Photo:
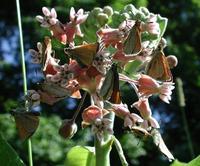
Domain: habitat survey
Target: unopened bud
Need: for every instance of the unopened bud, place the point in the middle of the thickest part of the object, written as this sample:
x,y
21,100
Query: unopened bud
x,y
172,61
108,10
68,129
102,18
144,10
163,43
97,10
130,8
125,16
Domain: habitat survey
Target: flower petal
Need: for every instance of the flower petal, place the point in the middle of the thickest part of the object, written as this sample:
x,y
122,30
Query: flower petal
x,y
46,11
39,18
53,13
72,14
153,122
80,12
81,18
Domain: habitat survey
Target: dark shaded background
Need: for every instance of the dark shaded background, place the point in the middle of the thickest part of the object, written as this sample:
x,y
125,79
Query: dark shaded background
x,y
183,36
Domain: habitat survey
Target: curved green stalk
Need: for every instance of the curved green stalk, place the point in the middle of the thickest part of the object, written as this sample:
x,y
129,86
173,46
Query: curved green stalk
x,y
23,72
181,102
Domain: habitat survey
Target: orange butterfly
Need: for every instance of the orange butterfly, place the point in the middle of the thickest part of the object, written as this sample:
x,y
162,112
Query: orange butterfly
x,y
133,44
84,54
26,122
158,68
110,88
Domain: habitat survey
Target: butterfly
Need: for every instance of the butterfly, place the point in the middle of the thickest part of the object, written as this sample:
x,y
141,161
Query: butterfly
x,y
27,122
133,44
158,68
110,88
84,54
51,93
53,89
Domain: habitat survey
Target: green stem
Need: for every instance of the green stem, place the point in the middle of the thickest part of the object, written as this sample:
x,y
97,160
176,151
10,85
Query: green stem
x,y
102,153
181,101
120,152
79,106
23,72
103,148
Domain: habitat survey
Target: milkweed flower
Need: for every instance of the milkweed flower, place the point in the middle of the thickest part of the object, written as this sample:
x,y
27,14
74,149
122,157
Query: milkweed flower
x,y
151,25
50,21
101,126
110,36
143,107
122,111
147,86
73,27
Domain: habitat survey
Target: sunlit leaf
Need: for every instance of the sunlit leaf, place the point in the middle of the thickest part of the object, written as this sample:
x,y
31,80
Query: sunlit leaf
x,y
194,162
80,156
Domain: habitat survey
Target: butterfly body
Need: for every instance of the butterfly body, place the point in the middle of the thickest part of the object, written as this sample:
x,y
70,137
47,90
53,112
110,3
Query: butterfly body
x,y
26,122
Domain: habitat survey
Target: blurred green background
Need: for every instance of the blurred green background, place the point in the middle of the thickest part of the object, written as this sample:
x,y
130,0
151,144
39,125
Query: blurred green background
x,y
49,149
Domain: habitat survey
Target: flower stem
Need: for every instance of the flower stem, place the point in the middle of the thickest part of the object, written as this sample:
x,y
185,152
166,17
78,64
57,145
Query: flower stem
x,y
79,106
103,148
102,154
120,152
23,72
181,101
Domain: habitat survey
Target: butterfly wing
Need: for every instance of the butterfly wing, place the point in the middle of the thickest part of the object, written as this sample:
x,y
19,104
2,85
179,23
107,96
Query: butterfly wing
x,y
115,96
108,84
27,123
54,90
132,44
84,54
158,67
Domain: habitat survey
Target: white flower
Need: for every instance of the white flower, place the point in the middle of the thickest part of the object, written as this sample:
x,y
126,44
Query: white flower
x,y
49,19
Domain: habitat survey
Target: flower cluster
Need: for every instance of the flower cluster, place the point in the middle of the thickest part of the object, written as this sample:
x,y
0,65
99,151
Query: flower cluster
x,y
97,67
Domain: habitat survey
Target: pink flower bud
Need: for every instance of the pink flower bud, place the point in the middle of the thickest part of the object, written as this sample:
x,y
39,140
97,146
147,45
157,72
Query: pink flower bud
x,y
68,129
172,61
147,85
92,113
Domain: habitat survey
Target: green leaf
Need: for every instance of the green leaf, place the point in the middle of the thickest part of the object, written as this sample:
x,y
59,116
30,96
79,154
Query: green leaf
x,y
194,162
131,68
162,21
81,156
178,163
8,156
